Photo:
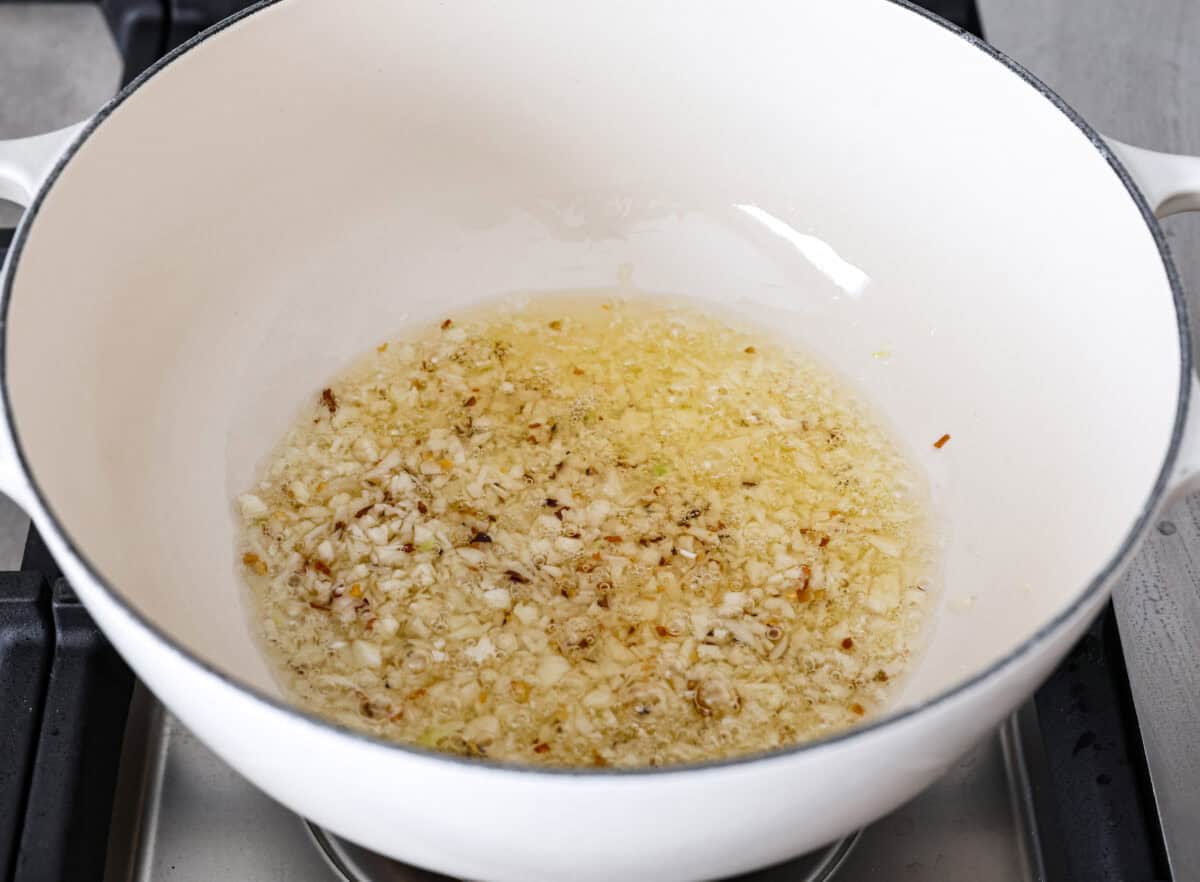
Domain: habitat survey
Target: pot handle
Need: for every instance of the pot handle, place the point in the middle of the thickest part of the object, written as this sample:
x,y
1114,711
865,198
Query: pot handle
x,y
1171,184
26,162
1169,181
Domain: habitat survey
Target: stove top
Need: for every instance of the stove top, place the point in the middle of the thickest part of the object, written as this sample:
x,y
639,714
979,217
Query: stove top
x,y
189,816
99,782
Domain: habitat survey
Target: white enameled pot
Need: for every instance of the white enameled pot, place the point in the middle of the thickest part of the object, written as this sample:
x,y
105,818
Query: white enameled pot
x,y
311,177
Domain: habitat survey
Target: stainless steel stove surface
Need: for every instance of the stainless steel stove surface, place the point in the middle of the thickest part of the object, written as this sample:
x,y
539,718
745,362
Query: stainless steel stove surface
x,y
184,815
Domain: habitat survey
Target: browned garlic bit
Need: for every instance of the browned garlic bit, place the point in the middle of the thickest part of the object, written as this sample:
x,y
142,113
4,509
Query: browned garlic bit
x,y
588,532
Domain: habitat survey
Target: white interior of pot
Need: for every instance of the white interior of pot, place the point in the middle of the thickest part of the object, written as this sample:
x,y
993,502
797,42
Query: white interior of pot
x,y
237,230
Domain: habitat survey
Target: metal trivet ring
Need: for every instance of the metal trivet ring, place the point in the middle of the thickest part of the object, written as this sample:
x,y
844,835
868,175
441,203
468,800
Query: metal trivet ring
x,y
357,864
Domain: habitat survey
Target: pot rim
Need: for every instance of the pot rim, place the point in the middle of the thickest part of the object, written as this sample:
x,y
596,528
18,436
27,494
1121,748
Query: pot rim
x,y
1094,588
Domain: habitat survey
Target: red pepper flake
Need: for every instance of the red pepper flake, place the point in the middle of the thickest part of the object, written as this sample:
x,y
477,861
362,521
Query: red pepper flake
x,y
446,325
408,548
470,402
858,709
848,643
660,630
329,401
612,539
321,567
941,442
422,507
541,747
362,511
598,760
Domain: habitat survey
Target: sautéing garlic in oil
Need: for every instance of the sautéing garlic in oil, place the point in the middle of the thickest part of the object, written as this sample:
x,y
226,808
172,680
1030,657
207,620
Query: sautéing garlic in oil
x,y
588,531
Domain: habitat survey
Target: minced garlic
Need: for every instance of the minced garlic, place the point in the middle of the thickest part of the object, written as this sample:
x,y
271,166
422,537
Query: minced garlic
x,y
587,532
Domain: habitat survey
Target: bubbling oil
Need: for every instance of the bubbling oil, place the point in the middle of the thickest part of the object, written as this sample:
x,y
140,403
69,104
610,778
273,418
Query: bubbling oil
x,y
589,531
